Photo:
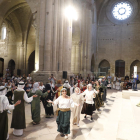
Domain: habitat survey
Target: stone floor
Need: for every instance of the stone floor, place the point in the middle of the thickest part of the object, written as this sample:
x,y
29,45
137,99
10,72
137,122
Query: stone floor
x,y
119,119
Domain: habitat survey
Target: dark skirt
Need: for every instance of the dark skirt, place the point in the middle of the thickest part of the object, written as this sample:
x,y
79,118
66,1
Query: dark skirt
x,y
88,109
49,110
3,125
63,122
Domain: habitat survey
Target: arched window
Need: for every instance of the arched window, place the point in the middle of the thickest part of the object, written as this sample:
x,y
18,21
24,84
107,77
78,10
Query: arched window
x,y
3,32
120,68
104,67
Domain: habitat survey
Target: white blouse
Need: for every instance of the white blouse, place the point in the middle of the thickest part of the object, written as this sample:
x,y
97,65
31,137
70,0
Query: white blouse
x,y
64,103
89,96
25,97
41,87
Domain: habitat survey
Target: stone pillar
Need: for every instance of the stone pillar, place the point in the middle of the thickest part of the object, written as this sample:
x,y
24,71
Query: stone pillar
x,y
42,34
48,36
54,47
61,27
73,61
82,37
67,41
77,58
89,31
21,59
85,43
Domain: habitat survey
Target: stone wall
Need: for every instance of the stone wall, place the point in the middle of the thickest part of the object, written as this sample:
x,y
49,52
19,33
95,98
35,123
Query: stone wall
x,y
118,41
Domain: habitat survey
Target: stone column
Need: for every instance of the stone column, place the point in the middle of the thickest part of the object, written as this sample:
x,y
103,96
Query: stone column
x,y
73,61
42,34
85,43
82,37
67,42
21,58
54,47
61,32
48,36
89,31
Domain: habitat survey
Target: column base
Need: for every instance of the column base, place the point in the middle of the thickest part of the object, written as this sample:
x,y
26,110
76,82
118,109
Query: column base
x,y
42,76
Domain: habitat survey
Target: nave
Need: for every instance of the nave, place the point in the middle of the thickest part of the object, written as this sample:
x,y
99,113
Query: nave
x,y
118,118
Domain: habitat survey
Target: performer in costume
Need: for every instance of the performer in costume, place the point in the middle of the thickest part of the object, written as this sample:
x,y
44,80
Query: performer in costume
x,y
18,118
35,104
63,112
98,99
4,106
88,107
58,87
48,94
104,86
67,86
77,98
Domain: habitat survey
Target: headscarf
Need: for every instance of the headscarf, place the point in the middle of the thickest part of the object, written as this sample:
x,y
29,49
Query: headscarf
x,y
66,84
78,89
88,86
62,90
3,92
20,86
35,87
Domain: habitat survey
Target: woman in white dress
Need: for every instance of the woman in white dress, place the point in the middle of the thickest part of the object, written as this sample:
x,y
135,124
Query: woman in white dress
x,y
77,98
63,112
89,106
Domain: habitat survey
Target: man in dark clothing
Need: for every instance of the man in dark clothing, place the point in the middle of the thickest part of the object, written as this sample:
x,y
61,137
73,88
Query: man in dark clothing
x,y
104,86
27,88
126,77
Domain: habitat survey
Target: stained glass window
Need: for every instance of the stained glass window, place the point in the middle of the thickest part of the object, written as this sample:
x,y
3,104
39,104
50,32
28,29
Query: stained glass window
x,y
122,10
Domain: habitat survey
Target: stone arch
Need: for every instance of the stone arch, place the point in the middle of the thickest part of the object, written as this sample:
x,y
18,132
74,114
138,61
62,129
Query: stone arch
x,y
135,63
120,68
104,68
11,66
1,66
31,62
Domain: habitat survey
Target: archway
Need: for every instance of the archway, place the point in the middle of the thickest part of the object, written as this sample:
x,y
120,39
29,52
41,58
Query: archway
x,y
135,63
11,66
31,62
120,68
104,68
1,66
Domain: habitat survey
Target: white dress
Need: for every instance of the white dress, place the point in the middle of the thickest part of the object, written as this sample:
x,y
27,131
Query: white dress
x,y
19,132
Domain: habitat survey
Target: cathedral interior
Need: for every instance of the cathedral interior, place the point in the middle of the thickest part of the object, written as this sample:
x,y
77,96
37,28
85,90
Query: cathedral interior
x,y
77,36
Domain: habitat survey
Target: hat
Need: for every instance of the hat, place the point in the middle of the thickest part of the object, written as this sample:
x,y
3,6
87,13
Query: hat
x,y
21,83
